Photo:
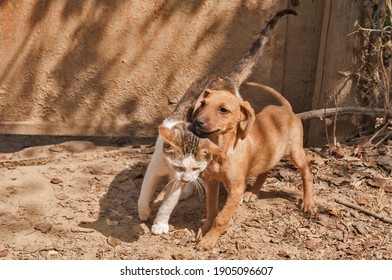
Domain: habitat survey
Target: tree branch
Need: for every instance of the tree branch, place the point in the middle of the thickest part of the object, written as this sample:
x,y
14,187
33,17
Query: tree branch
x,y
363,210
322,113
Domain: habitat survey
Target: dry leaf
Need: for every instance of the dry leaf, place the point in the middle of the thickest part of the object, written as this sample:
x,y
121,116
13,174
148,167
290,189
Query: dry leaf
x,y
361,201
56,181
112,241
284,254
350,252
318,160
369,244
337,181
4,253
355,249
312,244
360,229
370,164
342,246
178,257
111,223
378,182
334,211
179,234
184,241
43,227
325,221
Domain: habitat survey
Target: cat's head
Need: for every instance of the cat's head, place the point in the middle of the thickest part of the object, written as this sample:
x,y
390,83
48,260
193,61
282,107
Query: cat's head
x,y
187,154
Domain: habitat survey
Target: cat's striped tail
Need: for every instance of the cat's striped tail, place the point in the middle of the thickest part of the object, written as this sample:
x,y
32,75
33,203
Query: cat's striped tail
x,y
244,68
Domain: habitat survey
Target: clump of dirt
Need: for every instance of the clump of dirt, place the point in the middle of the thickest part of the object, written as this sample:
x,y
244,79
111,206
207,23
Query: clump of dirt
x,y
64,203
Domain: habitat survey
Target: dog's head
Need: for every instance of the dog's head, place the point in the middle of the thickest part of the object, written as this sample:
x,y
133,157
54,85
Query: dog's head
x,y
219,112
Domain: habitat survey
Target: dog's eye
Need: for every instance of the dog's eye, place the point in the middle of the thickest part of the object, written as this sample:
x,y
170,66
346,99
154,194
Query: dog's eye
x,y
223,110
202,103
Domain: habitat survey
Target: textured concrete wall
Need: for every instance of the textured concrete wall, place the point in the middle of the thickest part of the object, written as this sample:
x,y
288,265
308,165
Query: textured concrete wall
x,y
114,67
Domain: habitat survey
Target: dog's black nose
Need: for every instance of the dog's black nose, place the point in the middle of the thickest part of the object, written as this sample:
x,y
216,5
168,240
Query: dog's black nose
x,y
200,122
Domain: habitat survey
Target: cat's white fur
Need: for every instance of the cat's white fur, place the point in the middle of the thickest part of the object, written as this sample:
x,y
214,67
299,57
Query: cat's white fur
x,y
160,167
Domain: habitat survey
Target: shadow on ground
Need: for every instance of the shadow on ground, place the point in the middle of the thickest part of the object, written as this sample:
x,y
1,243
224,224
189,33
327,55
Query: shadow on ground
x,y
118,207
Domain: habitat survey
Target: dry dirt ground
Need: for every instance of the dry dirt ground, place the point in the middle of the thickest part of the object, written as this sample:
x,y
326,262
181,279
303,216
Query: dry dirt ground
x,y
64,199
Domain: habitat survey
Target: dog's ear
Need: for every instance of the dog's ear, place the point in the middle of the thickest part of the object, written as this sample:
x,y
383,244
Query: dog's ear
x,y
169,135
199,102
247,120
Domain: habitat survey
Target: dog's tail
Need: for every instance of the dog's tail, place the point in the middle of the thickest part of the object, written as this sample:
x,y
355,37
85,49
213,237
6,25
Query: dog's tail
x,y
244,68
283,101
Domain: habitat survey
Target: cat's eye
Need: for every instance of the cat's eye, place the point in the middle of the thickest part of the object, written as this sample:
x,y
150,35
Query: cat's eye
x,y
223,110
196,169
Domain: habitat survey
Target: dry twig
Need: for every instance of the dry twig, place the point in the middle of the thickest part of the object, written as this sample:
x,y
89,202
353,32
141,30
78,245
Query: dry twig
x,y
323,113
363,210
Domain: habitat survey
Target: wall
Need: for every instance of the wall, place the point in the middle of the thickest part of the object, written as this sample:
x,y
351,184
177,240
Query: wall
x,y
115,67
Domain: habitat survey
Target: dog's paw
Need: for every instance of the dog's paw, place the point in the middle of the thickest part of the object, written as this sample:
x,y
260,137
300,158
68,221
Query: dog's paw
x,y
160,228
308,206
249,197
207,242
144,213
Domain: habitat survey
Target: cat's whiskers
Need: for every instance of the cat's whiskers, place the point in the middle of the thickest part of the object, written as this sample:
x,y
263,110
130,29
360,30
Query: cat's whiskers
x,y
177,185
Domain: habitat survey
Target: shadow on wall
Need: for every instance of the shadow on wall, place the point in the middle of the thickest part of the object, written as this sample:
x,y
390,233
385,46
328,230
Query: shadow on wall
x,y
96,65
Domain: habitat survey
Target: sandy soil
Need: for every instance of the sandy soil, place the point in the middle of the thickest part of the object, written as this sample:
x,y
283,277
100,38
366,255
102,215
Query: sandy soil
x,y
77,199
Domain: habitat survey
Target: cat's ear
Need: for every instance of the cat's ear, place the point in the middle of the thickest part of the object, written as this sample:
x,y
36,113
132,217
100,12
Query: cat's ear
x,y
209,146
169,135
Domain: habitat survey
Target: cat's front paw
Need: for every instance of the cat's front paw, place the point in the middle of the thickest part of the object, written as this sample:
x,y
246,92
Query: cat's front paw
x,y
160,228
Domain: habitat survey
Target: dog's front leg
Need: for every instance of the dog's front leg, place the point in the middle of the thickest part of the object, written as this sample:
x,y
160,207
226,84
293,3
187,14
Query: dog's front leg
x,y
234,197
211,205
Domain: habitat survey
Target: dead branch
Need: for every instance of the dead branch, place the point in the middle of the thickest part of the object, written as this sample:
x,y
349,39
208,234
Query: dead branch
x,y
363,210
382,140
379,131
323,113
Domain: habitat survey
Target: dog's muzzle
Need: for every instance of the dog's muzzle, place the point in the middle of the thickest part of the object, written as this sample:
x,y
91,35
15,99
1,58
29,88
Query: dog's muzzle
x,y
198,127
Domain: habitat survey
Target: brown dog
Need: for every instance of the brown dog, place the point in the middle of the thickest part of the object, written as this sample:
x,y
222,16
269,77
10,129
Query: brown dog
x,y
251,145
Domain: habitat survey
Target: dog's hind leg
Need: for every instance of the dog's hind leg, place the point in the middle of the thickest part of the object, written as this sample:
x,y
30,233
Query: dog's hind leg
x,y
298,157
252,194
